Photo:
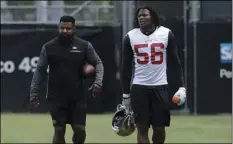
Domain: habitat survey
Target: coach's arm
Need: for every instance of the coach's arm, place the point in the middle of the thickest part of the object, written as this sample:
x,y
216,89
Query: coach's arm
x,y
94,59
39,76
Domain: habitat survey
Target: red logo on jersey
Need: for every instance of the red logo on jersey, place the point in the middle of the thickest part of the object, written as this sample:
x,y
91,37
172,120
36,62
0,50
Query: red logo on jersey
x,y
146,55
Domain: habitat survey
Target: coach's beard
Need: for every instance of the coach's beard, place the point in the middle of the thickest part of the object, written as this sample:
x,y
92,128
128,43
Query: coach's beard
x,y
65,39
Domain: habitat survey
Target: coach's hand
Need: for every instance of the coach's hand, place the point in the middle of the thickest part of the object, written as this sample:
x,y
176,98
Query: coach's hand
x,y
181,94
126,102
34,99
95,89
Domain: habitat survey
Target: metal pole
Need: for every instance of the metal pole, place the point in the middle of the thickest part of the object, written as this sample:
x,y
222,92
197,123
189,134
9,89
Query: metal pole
x,y
127,16
130,9
194,18
56,13
42,15
124,18
38,11
195,66
186,7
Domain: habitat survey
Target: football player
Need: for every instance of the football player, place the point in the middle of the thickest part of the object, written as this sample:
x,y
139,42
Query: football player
x,y
148,45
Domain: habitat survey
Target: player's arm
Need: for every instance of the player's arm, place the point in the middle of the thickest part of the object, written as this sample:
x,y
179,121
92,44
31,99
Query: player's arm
x,y
39,74
173,55
127,59
126,71
94,59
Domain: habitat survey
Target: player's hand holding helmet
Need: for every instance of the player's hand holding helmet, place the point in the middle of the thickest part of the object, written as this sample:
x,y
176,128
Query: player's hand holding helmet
x,y
180,96
122,123
126,102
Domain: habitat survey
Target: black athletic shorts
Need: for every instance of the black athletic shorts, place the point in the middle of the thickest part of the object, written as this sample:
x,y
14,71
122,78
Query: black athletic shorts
x,y
150,105
67,112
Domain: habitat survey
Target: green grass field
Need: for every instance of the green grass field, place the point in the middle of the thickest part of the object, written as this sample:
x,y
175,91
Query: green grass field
x,y
28,128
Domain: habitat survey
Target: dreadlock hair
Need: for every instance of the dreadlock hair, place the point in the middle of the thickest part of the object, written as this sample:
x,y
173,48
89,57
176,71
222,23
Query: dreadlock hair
x,y
154,15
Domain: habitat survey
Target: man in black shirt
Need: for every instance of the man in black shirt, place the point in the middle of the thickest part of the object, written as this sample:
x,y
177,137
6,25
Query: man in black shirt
x,y
66,55
148,45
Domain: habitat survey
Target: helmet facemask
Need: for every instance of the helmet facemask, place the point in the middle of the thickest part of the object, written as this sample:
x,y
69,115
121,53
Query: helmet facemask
x,y
123,124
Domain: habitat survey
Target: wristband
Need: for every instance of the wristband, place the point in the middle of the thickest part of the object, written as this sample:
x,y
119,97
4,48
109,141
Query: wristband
x,y
126,96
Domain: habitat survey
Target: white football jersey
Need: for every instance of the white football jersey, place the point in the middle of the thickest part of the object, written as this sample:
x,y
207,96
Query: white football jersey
x,y
150,54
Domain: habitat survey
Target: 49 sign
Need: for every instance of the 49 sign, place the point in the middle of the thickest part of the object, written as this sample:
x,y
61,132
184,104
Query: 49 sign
x,y
26,65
